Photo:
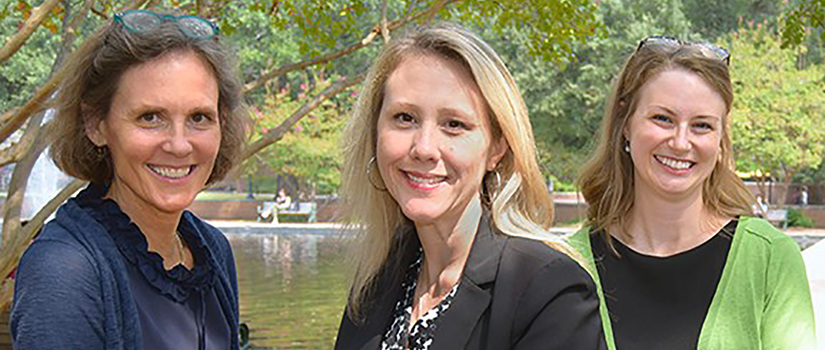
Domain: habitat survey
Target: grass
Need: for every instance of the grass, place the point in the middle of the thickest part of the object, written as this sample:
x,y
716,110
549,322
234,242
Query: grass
x,y
223,195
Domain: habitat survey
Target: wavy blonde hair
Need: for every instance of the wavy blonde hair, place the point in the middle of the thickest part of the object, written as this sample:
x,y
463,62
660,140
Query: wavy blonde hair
x,y
606,180
521,207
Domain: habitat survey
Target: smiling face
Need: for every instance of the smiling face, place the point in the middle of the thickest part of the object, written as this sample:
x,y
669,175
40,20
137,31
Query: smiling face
x,y
675,135
434,140
163,134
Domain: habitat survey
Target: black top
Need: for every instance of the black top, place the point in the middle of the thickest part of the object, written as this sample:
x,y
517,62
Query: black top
x,y
177,308
660,302
514,293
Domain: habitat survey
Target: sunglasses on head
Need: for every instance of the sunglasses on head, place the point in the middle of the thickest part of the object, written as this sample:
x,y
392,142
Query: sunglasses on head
x,y
140,22
708,50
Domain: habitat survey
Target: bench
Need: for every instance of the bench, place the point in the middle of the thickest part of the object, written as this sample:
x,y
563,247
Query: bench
x,y
297,212
778,217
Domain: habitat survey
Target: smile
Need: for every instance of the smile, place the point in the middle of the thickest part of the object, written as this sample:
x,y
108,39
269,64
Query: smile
x,y
673,163
426,181
172,173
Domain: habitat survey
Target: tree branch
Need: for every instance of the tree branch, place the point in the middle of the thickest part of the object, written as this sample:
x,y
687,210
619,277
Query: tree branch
x,y
137,4
385,33
376,30
12,120
432,11
17,40
20,177
10,253
274,8
278,132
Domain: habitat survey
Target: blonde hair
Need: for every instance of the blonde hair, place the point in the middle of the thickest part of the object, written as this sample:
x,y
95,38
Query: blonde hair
x,y
606,180
522,207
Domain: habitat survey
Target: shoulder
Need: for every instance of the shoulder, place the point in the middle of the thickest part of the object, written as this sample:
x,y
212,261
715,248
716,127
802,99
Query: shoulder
x,y
56,252
545,265
58,242
760,234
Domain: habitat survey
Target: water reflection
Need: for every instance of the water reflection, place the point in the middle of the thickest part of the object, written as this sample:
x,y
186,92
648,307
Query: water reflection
x,y
293,288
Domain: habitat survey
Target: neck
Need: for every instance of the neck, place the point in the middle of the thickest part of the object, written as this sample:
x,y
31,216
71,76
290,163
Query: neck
x,y
662,226
447,247
159,227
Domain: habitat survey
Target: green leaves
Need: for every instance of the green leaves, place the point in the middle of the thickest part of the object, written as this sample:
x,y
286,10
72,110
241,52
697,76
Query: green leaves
x,y
778,117
551,27
801,19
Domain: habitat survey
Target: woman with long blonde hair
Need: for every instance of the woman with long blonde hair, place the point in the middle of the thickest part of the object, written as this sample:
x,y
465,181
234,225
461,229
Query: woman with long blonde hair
x,y
678,261
441,180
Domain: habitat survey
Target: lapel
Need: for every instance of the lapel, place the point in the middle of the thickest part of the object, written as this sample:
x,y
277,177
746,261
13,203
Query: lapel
x,y
474,293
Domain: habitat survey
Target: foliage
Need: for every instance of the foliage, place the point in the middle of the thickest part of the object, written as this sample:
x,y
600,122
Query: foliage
x,y
566,98
797,219
311,150
778,112
801,19
554,26
30,67
712,19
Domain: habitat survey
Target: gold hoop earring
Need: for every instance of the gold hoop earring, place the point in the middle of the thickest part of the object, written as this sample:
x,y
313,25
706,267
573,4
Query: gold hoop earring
x,y
369,175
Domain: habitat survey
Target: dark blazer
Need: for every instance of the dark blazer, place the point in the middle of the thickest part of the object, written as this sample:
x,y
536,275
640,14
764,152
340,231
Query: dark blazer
x,y
515,293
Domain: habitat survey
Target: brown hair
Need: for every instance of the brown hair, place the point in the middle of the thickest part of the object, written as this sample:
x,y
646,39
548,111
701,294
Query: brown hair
x,y
93,74
519,202
606,180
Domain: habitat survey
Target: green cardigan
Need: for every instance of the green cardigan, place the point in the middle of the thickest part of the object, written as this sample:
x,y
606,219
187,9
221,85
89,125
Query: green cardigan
x,y
762,302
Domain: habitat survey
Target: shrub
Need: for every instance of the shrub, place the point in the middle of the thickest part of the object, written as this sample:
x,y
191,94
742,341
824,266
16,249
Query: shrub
x,y
797,219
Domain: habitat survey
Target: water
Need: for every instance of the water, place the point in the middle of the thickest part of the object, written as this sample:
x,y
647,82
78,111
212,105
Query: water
x,y
293,288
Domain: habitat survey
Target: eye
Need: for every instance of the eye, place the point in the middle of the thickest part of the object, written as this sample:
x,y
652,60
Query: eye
x,y
201,119
456,125
661,118
149,119
404,118
703,126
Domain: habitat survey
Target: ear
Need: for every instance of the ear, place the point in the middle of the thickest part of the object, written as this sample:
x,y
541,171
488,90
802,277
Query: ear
x,y
498,148
93,125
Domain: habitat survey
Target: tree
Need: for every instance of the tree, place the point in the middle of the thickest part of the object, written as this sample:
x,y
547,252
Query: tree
x,y
566,98
333,40
777,115
801,19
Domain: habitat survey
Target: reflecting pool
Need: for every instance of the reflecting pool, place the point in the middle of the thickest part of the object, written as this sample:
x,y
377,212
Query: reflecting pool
x,y
293,288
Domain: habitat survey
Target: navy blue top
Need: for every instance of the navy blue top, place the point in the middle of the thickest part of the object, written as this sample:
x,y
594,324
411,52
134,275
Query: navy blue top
x,y
89,282
177,308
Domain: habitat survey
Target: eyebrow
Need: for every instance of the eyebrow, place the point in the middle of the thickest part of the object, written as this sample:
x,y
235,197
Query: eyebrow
x,y
671,112
395,105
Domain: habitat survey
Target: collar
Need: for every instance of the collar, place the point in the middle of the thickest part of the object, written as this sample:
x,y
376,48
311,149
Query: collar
x,y
482,263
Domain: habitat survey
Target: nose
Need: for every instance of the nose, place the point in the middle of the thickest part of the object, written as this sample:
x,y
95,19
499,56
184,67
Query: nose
x,y
177,141
425,144
681,139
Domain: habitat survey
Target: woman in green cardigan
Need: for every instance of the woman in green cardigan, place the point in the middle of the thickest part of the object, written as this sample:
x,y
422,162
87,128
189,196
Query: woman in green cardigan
x,y
678,262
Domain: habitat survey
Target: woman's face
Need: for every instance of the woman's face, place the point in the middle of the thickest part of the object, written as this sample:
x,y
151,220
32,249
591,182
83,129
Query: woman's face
x,y
675,134
162,132
434,140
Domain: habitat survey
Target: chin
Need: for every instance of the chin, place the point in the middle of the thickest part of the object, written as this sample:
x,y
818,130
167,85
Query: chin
x,y
419,215
175,204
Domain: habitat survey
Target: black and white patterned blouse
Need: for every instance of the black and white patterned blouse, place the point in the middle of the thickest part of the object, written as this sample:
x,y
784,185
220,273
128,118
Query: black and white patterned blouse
x,y
423,331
